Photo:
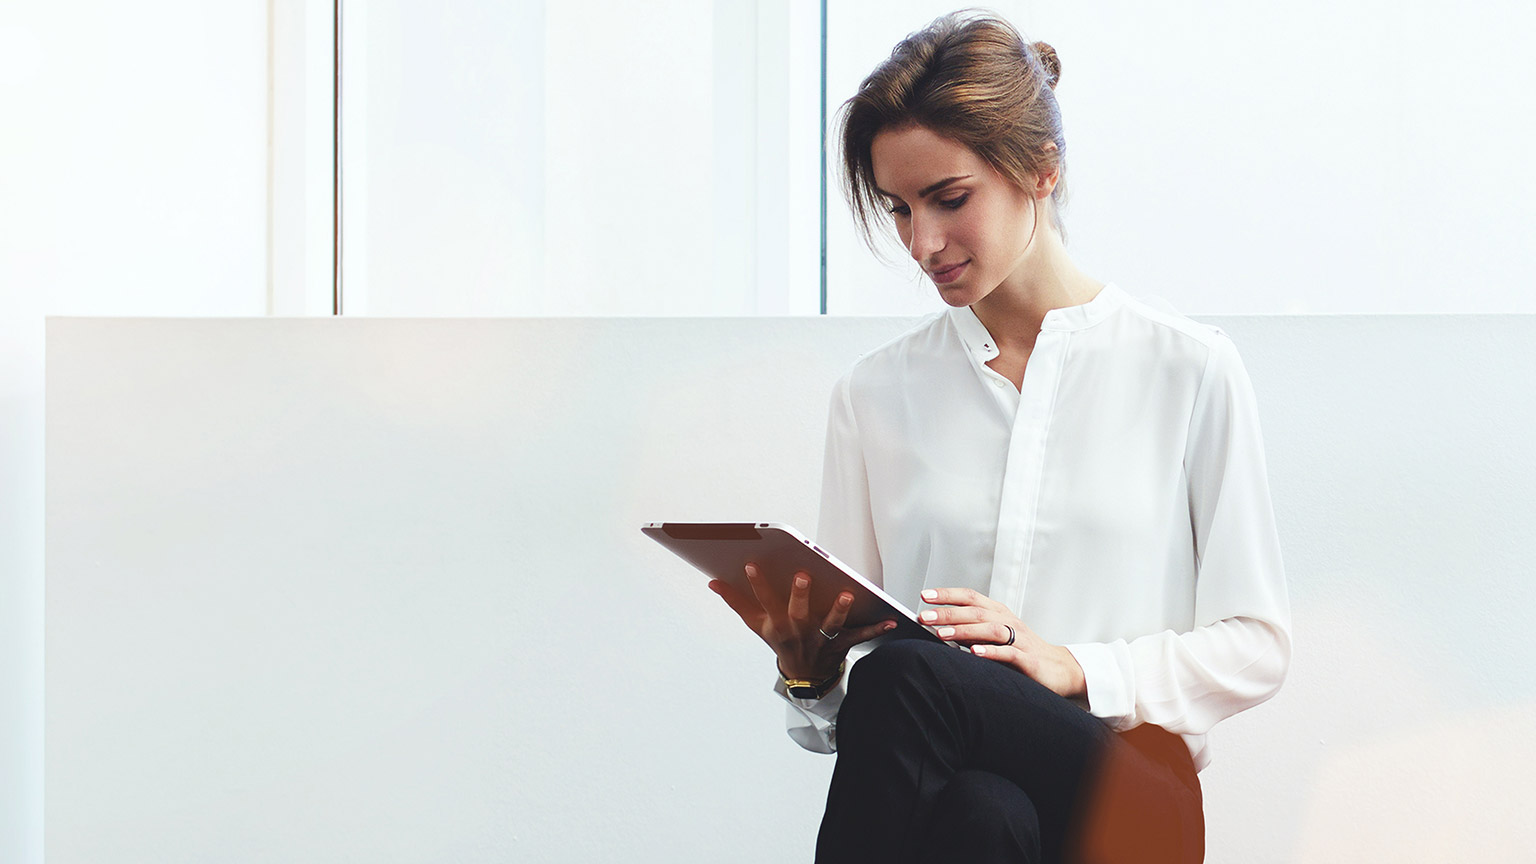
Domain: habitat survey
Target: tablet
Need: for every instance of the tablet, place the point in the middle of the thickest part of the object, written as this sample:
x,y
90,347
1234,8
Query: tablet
x,y
721,550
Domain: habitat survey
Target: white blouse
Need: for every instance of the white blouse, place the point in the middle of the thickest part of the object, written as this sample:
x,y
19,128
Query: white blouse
x,y
1117,503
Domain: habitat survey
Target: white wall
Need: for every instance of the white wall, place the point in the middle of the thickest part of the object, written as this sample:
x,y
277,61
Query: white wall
x,y
375,590
133,180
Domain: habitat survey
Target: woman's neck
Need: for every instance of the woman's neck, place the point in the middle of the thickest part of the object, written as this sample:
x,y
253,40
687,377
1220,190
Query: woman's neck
x,y
1047,279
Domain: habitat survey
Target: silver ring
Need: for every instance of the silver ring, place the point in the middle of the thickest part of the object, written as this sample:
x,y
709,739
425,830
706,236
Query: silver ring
x,y
825,635
1011,634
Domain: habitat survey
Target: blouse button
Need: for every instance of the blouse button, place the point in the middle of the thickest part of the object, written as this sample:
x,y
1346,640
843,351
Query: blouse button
x,y
998,383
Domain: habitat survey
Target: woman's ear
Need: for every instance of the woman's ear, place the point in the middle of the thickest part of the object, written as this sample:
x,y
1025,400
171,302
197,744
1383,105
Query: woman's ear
x,y
1045,183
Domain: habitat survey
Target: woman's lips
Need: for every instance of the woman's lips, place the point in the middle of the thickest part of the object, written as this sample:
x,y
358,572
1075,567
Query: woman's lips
x,y
950,274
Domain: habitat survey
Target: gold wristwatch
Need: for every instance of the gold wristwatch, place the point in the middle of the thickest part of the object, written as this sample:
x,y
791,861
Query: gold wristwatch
x,y
801,688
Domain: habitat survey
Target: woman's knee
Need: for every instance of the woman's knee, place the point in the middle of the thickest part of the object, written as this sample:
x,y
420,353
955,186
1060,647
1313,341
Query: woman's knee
x,y
899,685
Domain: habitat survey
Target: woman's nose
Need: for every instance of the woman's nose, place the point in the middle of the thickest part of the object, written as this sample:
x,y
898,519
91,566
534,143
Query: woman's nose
x,y
927,239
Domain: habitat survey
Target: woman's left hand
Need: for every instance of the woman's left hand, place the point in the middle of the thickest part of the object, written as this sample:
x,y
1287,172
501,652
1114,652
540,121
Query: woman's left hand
x,y
977,621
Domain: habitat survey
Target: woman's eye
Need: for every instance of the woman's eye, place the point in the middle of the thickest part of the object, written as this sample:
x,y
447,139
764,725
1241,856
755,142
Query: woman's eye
x,y
900,210
954,203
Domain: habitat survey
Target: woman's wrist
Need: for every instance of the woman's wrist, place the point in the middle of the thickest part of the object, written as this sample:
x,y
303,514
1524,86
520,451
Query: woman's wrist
x,y
810,671
1077,685
813,686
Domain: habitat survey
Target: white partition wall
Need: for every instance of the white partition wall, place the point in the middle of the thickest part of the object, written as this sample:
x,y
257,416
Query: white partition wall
x,y
335,590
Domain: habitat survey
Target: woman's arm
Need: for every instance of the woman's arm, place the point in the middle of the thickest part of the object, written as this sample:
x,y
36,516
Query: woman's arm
x,y
846,524
846,527
1237,654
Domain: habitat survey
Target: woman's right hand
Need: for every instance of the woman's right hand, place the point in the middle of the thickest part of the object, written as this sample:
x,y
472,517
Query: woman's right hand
x,y
801,644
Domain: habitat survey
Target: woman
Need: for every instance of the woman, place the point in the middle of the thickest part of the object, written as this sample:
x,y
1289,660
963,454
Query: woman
x,y
1071,481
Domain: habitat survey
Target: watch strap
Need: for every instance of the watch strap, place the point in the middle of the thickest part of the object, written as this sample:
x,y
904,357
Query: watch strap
x,y
802,688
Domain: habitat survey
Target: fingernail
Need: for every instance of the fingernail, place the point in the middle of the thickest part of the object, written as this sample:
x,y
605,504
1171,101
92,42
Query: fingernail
x,y
929,617
930,594
890,625
844,601
978,649
751,571
946,632
801,582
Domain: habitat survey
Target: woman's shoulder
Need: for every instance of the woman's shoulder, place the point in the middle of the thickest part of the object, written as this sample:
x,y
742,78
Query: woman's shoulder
x,y
1157,313
1198,353
890,359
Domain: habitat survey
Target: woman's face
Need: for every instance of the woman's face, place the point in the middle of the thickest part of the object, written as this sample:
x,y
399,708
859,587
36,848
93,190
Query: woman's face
x,y
967,226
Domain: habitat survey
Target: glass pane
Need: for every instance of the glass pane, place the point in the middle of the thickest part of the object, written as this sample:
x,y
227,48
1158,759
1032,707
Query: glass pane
x,y
599,158
1309,157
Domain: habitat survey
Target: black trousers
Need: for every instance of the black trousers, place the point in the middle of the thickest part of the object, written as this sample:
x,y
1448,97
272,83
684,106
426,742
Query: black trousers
x,y
944,756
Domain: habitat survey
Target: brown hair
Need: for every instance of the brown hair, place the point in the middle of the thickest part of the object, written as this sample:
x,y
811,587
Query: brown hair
x,y
970,77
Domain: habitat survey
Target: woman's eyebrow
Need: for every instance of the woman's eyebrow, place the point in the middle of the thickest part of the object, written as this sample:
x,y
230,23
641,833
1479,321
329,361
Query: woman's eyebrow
x,y
927,190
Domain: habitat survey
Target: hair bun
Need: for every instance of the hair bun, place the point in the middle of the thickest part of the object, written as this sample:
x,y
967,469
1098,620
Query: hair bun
x,y
1050,61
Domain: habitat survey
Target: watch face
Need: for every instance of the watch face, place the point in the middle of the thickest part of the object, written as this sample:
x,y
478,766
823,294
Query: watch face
x,y
804,692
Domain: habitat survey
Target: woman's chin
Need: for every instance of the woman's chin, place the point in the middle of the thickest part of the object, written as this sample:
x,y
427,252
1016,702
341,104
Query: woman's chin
x,y
955,295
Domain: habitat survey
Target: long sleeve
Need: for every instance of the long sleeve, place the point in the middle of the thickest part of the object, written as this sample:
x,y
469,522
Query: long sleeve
x,y
1237,653
846,528
846,523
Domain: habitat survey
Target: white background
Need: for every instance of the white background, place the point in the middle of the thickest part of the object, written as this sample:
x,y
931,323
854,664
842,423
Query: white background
x,y
1360,157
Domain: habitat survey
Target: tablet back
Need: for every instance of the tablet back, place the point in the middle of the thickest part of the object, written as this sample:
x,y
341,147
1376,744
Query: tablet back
x,y
721,550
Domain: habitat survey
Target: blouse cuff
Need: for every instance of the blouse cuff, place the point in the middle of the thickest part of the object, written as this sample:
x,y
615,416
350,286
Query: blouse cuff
x,y
1111,681
824,708
812,723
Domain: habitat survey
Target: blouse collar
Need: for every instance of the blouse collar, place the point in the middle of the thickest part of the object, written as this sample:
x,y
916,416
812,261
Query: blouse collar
x,y
979,340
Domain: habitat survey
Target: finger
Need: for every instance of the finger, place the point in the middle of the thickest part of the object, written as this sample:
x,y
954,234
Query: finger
x,y
962,597
988,633
1007,654
864,634
954,615
751,613
837,615
1011,655
800,598
766,596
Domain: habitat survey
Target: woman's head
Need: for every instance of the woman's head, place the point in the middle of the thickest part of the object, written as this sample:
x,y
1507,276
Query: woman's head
x,y
968,77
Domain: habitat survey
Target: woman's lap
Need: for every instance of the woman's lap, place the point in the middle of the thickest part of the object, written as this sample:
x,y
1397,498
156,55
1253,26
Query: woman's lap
x,y
918,714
